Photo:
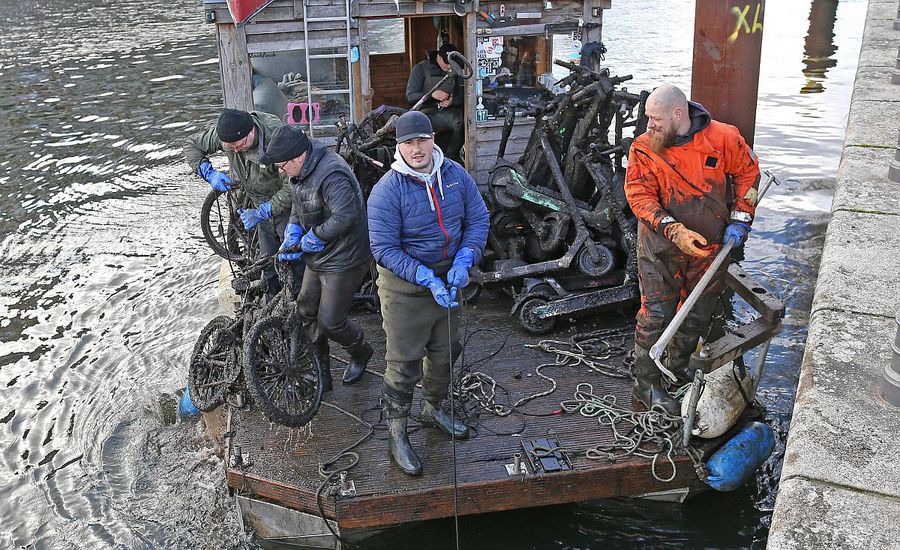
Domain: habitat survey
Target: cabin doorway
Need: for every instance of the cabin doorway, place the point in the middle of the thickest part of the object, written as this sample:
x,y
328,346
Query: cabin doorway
x,y
392,57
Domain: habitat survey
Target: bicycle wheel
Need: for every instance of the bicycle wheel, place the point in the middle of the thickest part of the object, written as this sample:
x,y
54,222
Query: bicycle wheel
x,y
212,364
285,384
220,230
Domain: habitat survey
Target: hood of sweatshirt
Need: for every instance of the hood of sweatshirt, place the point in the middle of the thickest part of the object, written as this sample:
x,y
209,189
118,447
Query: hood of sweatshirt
x,y
427,180
700,119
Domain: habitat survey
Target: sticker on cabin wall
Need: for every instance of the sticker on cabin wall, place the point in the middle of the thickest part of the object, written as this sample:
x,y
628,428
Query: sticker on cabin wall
x,y
488,53
481,114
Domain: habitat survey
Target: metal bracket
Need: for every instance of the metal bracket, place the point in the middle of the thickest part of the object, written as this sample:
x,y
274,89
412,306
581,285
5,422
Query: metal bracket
x,y
517,467
347,486
544,455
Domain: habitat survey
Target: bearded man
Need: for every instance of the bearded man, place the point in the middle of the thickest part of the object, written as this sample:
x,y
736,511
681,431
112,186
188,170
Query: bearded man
x,y
692,182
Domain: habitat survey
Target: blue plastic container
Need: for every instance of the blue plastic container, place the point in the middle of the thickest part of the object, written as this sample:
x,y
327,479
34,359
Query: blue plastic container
x,y
738,459
186,408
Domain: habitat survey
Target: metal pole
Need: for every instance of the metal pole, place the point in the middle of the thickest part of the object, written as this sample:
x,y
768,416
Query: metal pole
x,y
894,166
692,407
760,365
890,379
660,346
727,50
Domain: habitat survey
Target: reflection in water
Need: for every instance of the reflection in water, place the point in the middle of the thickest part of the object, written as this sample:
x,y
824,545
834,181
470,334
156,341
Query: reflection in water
x,y
819,46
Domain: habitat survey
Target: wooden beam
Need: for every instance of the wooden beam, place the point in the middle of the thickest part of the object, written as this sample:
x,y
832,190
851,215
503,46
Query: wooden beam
x,y
510,494
514,30
234,67
471,145
338,41
591,7
389,9
362,82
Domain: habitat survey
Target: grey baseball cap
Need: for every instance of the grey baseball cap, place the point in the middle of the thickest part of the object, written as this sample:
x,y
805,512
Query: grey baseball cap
x,y
412,125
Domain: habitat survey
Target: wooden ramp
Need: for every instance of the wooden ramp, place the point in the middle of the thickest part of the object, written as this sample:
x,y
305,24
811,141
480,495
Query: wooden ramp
x,y
282,465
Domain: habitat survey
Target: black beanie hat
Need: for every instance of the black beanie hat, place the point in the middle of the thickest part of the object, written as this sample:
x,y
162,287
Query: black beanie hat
x,y
234,125
444,51
287,142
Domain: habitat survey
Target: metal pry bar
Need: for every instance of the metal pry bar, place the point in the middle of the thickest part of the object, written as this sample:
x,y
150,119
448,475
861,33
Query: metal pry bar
x,y
660,346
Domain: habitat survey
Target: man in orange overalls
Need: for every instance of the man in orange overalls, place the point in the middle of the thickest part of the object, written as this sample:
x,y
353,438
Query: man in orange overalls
x,y
692,182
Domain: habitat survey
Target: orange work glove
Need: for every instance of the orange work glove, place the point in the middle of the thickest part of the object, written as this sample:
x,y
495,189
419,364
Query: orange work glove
x,y
687,240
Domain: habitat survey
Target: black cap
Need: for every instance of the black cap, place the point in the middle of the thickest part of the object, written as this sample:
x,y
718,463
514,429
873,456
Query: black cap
x,y
287,142
412,125
234,125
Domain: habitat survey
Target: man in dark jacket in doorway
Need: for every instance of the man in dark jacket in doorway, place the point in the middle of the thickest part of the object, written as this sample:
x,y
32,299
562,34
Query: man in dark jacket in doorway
x,y
243,137
444,106
328,220
692,182
428,226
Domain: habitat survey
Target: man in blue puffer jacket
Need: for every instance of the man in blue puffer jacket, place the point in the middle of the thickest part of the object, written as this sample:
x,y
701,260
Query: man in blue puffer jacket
x,y
427,226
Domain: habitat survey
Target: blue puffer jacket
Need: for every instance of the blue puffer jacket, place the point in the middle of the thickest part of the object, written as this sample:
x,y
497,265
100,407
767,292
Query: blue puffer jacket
x,y
417,219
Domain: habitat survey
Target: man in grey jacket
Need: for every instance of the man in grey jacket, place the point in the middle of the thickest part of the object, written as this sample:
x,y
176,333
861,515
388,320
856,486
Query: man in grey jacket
x,y
328,220
242,136
444,106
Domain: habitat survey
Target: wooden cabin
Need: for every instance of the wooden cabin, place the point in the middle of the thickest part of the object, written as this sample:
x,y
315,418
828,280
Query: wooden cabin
x,y
359,54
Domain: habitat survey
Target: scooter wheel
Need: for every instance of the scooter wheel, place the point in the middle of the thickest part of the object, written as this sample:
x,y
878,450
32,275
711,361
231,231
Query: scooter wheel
x,y
529,320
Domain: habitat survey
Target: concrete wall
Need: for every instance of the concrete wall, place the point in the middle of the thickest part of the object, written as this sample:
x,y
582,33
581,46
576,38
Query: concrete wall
x,y
840,484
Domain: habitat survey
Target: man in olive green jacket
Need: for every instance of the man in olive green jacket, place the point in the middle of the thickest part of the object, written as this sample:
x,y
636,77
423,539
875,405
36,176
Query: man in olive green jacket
x,y
243,137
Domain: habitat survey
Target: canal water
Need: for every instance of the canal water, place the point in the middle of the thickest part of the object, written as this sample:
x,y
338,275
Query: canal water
x,y
106,280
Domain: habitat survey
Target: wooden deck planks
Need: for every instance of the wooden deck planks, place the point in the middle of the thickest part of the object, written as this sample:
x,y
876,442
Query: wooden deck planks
x,y
284,463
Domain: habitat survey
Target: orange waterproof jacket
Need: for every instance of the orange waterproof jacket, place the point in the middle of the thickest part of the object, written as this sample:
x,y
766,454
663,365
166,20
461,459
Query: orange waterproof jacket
x,y
689,184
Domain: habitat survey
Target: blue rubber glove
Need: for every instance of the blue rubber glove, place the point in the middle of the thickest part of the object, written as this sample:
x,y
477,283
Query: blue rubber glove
x,y
217,180
252,216
426,278
737,232
458,276
292,235
311,243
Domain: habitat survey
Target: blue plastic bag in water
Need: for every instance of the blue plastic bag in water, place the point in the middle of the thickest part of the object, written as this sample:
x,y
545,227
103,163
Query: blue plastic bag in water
x,y
186,408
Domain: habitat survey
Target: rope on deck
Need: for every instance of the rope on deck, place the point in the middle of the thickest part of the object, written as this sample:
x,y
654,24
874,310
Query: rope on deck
x,y
591,349
647,434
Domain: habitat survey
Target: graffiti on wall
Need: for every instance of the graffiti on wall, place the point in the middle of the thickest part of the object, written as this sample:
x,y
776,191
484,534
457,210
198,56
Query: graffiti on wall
x,y
743,22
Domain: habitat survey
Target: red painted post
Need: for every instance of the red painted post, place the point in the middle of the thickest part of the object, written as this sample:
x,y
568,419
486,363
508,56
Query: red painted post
x,y
727,48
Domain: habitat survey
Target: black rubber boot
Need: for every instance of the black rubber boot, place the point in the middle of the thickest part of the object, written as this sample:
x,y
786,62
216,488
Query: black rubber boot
x,y
439,418
397,416
647,387
679,356
321,354
359,359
